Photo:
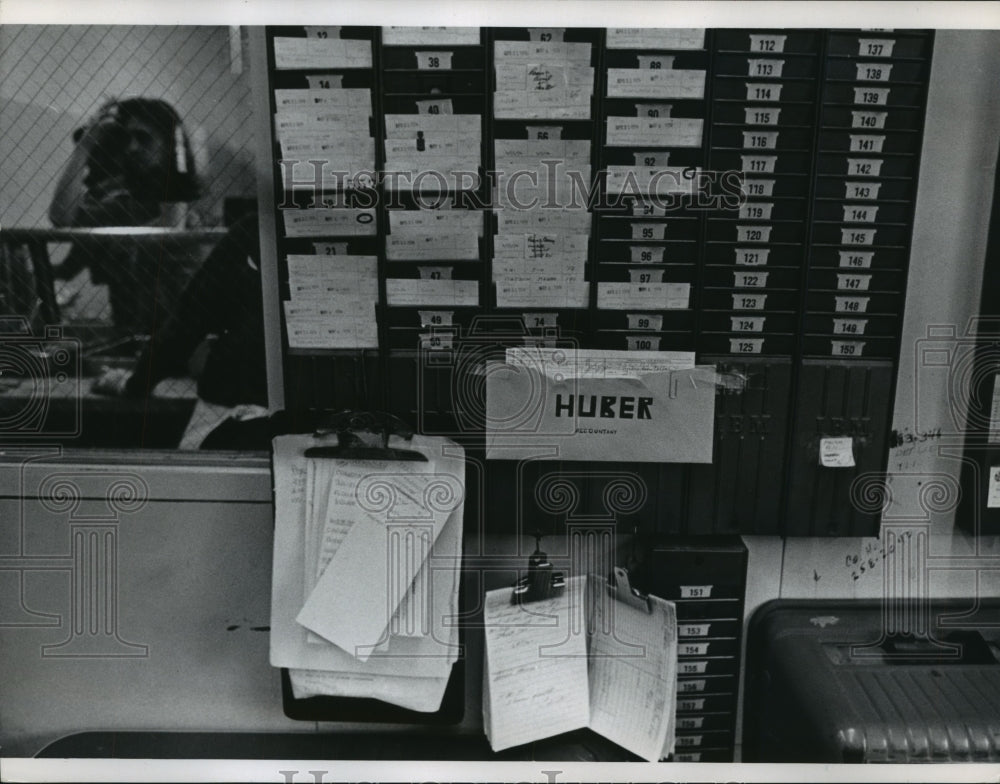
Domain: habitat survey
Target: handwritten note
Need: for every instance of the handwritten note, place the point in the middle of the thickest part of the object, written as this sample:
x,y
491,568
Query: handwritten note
x,y
536,667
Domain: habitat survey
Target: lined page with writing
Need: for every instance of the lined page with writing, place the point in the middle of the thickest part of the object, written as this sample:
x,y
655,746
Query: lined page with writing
x,y
536,666
633,669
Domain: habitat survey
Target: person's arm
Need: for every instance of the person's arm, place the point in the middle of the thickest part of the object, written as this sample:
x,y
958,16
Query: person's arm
x,y
71,189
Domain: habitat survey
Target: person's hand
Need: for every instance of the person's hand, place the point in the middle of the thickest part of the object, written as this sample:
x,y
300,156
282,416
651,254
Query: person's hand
x,y
112,381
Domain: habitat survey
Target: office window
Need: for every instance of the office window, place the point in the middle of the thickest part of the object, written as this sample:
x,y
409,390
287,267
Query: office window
x,y
127,201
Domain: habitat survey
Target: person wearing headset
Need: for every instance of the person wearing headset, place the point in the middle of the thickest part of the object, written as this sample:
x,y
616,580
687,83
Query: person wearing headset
x,y
132,166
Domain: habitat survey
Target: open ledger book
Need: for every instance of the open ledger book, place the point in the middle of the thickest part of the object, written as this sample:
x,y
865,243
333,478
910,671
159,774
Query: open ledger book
x,y
587,658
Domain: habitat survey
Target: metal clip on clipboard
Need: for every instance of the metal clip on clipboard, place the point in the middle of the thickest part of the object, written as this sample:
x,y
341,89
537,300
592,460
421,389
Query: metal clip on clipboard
x,y
622,591
363,436
541,582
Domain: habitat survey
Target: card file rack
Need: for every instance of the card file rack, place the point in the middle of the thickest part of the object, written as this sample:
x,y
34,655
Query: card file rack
x,y
706,580
787,163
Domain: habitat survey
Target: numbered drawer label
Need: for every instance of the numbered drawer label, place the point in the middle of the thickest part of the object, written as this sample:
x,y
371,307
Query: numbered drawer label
x,y
844,348
692,667
873,120
691,704
690,686
871,96
688,741
436,341
646,276
873,72
763,91
642,343
649,231
690,722
758,164
750,280
849,326
861,143
860,213
433,61
857,236
757,115
864,167
771,44
749,301
758,187
692,649
644,321
760,140
861,190
753,233
851,304
856,259
436,318
756,210
853,282
646,254
696,591
744,324
746,346
540,320
750,257
875,47
769,69
693,629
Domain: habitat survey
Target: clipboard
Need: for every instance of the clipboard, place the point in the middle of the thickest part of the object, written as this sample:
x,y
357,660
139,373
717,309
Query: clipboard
x,y
353,435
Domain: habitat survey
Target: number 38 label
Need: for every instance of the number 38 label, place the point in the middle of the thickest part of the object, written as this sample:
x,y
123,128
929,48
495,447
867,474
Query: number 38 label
x,y
429,61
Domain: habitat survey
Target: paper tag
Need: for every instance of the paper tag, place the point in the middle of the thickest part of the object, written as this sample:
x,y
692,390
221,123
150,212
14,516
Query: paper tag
x,y
642,343
330,248
433,60
872,96
757,115
873,72
653,109
540,320
758,187
756,257
744,324
875,47
746,345
646,254
696,591
874,120
861,259
758,91
435,106
542,132
325,81
546,33
770,69
849,326
857,236
435,273
861,190
851,304
993,496
847,348
646,276
750,280
836,452
760,140
322,32
436,318
655,61
759,164
644,321
436,341
866,143
767,43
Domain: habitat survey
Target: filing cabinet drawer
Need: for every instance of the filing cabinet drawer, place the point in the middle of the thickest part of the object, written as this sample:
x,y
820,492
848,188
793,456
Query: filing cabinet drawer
x,y
766,42
872,69
689,724
877,44
744,344
873,94
418,58
765,324
766,66
764,91
740,112
701,648
434,82
693,704
697,686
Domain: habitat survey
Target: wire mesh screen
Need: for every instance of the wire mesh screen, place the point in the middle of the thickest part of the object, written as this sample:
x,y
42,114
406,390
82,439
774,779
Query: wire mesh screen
x,y
127,206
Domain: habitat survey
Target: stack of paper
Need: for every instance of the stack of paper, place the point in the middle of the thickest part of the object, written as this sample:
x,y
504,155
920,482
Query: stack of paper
x,y
540,251
325,137
367,555
542,80
434,151
433,235
332,301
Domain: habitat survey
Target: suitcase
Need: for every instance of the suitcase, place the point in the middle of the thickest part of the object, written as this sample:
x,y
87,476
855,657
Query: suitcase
x,y
825,684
